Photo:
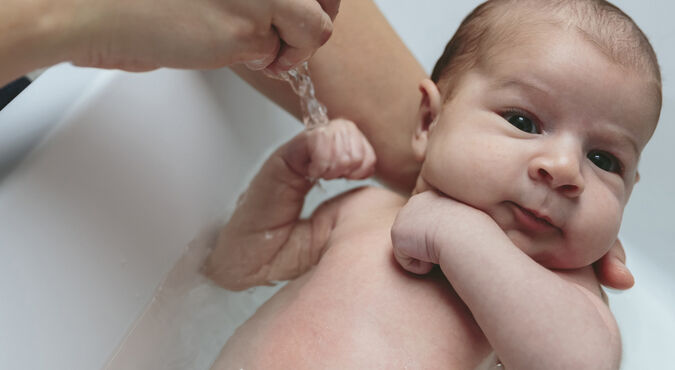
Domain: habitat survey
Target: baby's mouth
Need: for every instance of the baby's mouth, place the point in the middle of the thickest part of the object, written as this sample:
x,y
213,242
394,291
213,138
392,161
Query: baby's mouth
x,y
531,220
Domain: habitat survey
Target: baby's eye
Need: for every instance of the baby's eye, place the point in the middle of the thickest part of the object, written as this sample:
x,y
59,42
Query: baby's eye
x,y
605,161
521,122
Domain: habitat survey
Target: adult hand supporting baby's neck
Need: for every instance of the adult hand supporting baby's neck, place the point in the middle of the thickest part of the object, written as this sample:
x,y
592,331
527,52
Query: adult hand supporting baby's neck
x,y
611,269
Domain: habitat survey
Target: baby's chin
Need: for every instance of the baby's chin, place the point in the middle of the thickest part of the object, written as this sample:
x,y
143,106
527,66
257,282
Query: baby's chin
x,y
552,255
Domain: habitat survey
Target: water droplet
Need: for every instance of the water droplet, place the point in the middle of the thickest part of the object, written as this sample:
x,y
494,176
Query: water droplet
x,y
314,113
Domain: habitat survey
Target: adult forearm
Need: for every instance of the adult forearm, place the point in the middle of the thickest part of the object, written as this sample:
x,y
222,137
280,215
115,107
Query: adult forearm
x,y
265,240
265,216
366,74
33,34
274,198
141,35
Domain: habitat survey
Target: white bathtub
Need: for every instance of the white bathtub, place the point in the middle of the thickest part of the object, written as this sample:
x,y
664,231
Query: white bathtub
x,y
131,169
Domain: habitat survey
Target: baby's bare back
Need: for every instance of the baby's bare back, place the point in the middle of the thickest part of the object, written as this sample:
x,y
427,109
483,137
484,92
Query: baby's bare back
x,y
358,309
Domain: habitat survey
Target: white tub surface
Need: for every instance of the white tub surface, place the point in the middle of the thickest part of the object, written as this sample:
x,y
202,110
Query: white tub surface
x,y
132,169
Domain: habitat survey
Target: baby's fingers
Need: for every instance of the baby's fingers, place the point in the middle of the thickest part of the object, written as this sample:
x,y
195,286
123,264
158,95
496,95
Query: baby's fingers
x,y
354,157
339,153
320,152
412,264
340,150
366,164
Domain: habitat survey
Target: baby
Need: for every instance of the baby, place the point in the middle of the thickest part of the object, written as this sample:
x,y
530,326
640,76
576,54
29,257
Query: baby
x,y
529,139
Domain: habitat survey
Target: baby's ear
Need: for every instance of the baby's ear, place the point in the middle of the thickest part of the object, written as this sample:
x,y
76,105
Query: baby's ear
x,y
427,116
637,176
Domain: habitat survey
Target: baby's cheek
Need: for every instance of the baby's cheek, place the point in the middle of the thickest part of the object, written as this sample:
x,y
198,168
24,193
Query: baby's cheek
x,y
466,175
599,227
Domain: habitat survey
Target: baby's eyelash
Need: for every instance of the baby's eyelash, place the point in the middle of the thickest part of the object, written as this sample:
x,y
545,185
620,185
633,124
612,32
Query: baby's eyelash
x,y
524,113
522,120
607,161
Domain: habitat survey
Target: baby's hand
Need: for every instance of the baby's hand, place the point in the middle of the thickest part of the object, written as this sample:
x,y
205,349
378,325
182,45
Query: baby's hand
x,y
333,151
430,222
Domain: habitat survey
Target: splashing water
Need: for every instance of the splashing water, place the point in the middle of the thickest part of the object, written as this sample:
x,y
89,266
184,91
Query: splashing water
x,y
314,113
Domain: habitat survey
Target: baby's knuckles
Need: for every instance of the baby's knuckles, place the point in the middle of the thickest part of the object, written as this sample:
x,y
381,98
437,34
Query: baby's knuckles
x,y
415,226
430,222
339,144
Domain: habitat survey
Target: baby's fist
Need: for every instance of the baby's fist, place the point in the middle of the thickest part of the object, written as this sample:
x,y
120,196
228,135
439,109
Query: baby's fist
x,y
430,223
333,151
413,232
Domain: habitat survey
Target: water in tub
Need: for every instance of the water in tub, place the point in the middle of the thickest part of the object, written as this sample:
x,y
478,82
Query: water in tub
x,y
189,318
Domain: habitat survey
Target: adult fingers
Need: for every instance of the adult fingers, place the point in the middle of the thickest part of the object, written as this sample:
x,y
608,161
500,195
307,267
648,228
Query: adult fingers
x,y
611,269
288,58
303,26
302,23
331,7
268,47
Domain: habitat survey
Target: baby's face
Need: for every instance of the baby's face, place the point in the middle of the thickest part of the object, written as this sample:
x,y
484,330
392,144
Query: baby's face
x,y
545,137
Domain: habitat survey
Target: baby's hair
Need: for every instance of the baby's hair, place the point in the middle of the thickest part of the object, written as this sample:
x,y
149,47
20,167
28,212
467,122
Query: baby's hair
x,y
612,31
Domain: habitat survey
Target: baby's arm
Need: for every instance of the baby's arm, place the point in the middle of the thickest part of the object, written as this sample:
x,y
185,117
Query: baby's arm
x,y
265,240
533,317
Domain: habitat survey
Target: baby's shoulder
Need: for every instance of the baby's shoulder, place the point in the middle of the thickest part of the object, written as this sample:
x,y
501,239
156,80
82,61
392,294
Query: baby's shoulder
x,y
370,198
365,202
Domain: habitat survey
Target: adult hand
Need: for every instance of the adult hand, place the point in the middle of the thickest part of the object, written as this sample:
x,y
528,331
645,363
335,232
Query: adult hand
x,y
140,35
611,269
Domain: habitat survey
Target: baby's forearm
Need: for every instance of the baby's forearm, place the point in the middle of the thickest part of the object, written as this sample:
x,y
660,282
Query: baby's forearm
x,y
532,317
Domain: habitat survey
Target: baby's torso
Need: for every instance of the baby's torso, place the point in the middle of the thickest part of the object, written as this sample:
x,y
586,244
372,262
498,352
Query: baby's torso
x,y
358,309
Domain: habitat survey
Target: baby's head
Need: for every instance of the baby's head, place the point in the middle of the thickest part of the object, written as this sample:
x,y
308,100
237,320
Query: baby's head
x,y
538,115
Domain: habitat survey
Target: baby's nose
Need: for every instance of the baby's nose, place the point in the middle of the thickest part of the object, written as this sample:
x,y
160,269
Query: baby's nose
x,y
560,168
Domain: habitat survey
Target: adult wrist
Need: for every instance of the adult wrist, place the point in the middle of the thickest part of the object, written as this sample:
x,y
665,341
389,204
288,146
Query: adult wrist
x,y
72,25
34,34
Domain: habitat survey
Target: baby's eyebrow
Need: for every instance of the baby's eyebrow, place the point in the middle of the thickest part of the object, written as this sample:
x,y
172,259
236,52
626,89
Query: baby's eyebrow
x,y
617,136
508,82
623,139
